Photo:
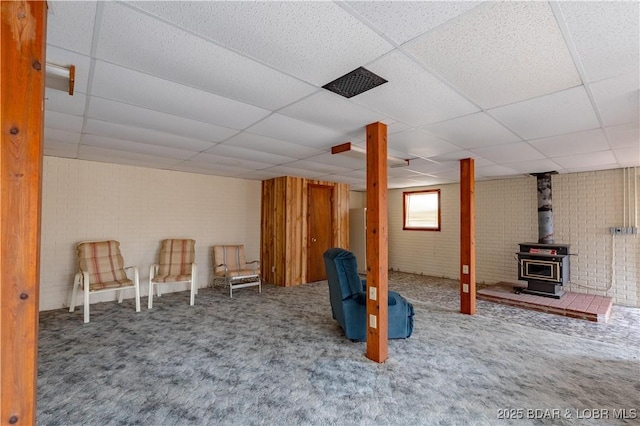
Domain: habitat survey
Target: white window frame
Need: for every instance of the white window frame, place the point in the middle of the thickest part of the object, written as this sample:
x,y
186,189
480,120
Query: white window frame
x,y
414,225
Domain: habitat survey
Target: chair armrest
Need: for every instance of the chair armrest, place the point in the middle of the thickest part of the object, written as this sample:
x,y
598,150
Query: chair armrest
x,y
226,268
153,270
257,264
136,275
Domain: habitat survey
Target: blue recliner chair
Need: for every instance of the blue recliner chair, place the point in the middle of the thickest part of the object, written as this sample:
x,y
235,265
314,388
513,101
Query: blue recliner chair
x,y
348,299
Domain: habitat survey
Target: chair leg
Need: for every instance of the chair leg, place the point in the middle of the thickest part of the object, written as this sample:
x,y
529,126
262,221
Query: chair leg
x,y
120,295
136,283
74,292
137,290
193,291
150,304
86,302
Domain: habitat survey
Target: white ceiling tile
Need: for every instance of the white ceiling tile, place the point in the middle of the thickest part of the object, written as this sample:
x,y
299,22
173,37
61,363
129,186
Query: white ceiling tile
x,y
617,99
403,20
624,136
263,174
628,157
399,183
325,168
357,174
289,129
146,136
417,143
509,153
128,86
534,166
605,35
340,160
60,121
248,154
411,95
288,170
107,110
452,174
135,147
456,156
70,25
586,160
274,146
64,136
563,112
211,159
572,143
592,168
472,131
407,172
212,169
331,110
425,180
172,79
65,58
343,179
59,101
396,127
106,155
500,53
495,171
192,60
422,166
314,41
60,149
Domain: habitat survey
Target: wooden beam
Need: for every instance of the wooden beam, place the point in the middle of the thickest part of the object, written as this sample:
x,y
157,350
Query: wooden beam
x,y
377,244
467,237
22,64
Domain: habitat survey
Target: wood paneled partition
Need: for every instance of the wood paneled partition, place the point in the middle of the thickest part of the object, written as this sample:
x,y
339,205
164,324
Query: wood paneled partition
x,y
284,227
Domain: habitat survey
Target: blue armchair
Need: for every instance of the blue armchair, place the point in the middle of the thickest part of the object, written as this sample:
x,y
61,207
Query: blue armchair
x,y
349,303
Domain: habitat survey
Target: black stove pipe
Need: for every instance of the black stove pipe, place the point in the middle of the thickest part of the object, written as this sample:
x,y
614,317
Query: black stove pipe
x,y
545,208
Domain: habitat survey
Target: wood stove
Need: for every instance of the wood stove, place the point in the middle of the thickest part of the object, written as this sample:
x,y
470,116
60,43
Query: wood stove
x,y
545,267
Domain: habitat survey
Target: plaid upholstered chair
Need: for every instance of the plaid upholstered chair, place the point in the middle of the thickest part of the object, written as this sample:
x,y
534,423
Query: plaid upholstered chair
x,y
101,269
176,264
230,264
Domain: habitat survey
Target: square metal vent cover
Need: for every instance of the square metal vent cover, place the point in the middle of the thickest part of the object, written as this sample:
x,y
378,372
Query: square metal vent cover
x,y
357,81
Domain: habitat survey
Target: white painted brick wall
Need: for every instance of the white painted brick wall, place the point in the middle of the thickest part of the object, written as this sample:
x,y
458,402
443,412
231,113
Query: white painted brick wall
x,y
585,206
84,200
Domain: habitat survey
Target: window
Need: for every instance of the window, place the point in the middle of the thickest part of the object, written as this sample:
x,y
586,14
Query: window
x,y
422,210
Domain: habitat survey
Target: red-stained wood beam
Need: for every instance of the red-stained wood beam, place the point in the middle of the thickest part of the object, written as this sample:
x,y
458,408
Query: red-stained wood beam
x,y
377,244
467,237
22,65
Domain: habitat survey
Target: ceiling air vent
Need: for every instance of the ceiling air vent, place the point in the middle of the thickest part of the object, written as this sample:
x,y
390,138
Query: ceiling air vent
x,y
357,81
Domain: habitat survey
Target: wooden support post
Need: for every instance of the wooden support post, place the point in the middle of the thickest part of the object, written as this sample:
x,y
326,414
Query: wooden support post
x,y
377,244
467,237
22,65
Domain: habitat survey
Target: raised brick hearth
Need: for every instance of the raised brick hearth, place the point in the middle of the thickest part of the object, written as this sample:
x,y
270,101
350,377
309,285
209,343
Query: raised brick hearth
x,y
576,305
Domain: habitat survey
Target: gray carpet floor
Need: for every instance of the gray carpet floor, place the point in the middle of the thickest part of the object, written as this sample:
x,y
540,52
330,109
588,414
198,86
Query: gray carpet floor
x,y
279,358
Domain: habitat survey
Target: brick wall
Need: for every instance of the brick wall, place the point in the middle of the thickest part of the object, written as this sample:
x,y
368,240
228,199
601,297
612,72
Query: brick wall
x,y
83,200
585,206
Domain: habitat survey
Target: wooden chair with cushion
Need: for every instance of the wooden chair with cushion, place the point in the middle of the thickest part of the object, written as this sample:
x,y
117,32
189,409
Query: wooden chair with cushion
x,y
176,265
230,264
101,269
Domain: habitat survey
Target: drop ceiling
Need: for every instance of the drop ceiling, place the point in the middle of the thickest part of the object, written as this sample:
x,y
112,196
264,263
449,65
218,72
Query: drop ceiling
x,y
235,88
